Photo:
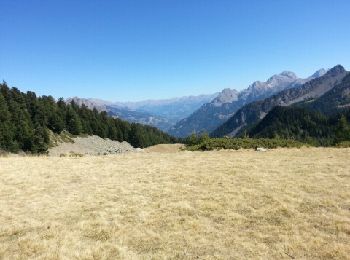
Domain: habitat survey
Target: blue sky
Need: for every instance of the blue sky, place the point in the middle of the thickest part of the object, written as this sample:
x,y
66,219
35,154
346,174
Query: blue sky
x,y
134,50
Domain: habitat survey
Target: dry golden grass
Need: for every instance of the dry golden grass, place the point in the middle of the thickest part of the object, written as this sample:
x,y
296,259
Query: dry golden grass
x,y
282,204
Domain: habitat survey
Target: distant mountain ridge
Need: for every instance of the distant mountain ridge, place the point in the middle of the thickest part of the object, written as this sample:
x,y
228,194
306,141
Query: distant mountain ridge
x,y
251,113
91,103
333,101
211,115
139,116
159,113
174,109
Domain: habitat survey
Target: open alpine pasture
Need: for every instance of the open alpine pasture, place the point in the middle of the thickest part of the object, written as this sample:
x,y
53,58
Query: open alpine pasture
x,y
279,204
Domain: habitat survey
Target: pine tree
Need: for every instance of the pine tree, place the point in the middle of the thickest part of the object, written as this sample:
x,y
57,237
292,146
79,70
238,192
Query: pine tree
x,y
40,140
343,130
73,122
6,131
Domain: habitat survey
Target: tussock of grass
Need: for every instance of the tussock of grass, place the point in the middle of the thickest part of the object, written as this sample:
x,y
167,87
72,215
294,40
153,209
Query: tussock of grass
x,y
282,204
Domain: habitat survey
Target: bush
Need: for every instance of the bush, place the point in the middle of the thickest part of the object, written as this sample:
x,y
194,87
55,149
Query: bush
x,y
243,143
344,144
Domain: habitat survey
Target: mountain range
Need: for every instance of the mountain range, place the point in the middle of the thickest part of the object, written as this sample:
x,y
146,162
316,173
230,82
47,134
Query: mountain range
x,y
319,121
212,114
313,110
159,113
232,112
319,92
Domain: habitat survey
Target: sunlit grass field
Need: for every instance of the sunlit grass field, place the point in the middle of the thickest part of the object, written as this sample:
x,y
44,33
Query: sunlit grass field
x,y
279,204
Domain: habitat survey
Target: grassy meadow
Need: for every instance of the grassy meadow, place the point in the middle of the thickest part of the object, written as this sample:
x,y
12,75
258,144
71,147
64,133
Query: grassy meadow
x,y
280,204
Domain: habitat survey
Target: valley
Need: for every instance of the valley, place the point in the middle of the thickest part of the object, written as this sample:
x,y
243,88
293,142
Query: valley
x,y
174,130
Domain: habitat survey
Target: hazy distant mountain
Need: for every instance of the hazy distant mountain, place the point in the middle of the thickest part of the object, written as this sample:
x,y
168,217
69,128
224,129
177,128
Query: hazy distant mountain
x,y
173,109
159,113
139,116
91,103
130,115
253,112
211,115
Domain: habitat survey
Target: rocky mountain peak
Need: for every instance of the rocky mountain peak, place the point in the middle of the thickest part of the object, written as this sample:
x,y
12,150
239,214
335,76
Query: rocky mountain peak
x,y
91,103
288,74
336,70
226,96
274,84
319,73
285,76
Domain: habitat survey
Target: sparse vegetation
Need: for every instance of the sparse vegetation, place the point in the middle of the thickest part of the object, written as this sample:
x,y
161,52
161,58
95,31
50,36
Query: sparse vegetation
x,y
282,204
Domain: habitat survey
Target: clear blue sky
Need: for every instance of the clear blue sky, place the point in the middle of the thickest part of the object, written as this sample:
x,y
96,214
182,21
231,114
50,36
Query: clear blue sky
x,y
133,50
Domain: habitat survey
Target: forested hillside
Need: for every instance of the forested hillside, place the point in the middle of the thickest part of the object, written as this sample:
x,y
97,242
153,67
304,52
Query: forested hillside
x,y
304,125
25,120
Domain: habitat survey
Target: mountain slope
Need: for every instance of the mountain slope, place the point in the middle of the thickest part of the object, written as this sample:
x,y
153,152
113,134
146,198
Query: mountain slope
x,y
253,112
324,120
213,114
291,123
333,101
303,125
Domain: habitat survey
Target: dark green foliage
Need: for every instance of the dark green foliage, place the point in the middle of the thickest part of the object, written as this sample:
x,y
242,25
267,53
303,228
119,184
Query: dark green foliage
x,y
6,127
40,140
25,120
195,139
241,143
303,125
342,132
73,123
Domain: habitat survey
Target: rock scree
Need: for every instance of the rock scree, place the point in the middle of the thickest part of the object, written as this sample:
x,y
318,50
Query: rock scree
x,y
90,145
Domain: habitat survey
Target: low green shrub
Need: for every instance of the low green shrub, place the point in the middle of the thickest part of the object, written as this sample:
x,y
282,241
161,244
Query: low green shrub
x,y
243,143
344,144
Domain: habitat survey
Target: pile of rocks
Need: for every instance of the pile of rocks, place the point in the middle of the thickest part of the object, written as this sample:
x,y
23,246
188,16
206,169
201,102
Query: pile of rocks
x,y
90,145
